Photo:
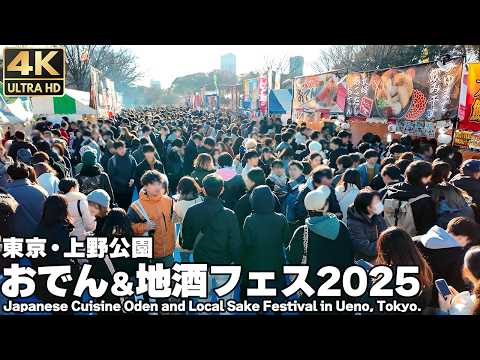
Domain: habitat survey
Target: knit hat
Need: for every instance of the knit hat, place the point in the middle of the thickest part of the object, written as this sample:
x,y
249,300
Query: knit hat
x,y
99,197
89,158
315,147
24,155
316,200
471,165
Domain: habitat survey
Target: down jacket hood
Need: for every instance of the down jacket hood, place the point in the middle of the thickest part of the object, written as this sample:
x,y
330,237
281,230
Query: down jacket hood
x,y
403,191
327,226
261,200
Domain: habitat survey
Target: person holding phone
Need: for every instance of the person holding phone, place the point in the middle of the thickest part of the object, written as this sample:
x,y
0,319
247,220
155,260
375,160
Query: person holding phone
x,y
464,303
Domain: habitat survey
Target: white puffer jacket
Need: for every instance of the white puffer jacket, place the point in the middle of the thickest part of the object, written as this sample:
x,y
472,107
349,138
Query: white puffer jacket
x,y
85,223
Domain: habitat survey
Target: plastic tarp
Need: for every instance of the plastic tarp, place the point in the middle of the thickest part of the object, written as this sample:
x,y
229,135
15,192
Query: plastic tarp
x,y
280,101
14,110
73,102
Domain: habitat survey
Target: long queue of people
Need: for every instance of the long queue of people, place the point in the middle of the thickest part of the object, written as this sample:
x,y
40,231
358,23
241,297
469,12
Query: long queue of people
x,y
220,188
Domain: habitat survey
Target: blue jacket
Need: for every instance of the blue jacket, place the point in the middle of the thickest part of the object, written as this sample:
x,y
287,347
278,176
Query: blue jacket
x,y
30,200
362,169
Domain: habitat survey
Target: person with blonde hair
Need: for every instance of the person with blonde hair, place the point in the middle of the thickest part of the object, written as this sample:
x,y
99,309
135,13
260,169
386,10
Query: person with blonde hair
x,y
203,166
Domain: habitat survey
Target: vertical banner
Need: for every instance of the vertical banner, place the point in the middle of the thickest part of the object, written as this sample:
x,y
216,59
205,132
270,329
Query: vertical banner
x,y
253,94
263,94
246,94
420,92
471,102
202,97
278,78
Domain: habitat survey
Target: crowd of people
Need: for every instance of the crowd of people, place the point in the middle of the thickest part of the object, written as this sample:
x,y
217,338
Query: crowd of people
x,y
221,188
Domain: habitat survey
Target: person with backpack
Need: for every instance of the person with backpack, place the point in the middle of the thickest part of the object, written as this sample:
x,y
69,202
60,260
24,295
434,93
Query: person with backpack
x,y
408,204
203,166
449,200
265,236
212,232
296,180
83,221
148,162
322,241
30,198
92,177
121,170
234,186
175,163
152,215
18,143
469,179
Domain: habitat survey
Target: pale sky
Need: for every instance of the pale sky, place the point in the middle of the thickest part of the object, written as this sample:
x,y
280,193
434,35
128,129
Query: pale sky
x,y
166,62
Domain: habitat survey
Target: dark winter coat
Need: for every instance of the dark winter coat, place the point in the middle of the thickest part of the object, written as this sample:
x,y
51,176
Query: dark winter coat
x,y
143,167
17,145
265,233
120,170
328,244
244,207
468,184
191,153
92,178
424,210
445,257
233,190
199,174
364,232
212,232
29,212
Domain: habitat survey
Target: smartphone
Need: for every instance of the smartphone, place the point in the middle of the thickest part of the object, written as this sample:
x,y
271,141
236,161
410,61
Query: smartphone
x,y
364,264
442,287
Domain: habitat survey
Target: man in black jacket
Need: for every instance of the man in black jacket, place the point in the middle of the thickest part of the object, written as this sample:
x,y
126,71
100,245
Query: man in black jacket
x,y
149,162
20,143
191,152
121,170
210,229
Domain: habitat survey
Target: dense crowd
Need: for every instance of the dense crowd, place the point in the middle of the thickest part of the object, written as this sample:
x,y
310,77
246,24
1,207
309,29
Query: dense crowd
x,y
221,188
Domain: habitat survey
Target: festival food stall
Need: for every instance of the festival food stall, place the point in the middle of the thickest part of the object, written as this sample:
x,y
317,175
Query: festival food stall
x,y
74,104
280,103
15,112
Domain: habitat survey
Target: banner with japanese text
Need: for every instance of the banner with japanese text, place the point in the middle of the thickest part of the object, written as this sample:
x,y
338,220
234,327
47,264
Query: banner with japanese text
x,y
229,97
253,94
469,109
420,92
246,97
317,96
263,94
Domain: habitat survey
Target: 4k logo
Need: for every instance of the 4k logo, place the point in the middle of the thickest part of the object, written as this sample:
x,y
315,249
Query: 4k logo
x,y
34,72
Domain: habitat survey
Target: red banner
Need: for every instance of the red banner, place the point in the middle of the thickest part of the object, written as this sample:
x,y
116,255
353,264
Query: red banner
x,y
262,93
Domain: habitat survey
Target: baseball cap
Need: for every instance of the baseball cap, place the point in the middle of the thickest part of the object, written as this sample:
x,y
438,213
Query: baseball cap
x,y
471,165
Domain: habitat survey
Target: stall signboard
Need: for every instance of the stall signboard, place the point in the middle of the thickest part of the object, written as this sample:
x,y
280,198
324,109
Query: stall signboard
x,y
428,92
469,109
316,96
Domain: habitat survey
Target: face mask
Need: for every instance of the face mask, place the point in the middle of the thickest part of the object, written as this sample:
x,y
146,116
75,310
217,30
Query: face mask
x,y
378,208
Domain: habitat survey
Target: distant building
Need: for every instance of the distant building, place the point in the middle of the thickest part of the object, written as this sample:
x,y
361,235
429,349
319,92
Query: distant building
x,y
155,84
296,66
228,63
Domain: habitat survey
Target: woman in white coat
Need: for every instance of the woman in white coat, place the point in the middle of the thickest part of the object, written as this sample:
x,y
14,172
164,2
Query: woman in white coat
x,y
83,221
347,189
188,194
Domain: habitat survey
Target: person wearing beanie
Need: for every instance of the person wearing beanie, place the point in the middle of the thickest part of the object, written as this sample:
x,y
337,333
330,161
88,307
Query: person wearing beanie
x,y
92,176
316,147
99,206
326,238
